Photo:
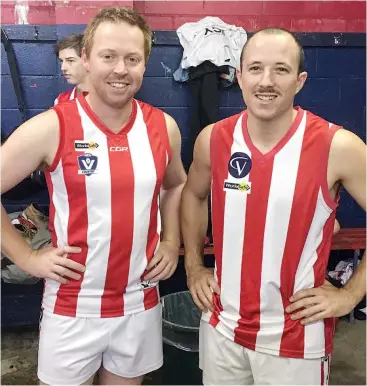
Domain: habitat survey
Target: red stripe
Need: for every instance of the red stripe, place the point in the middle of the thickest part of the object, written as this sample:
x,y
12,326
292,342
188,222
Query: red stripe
x,y
64,97
312,161
323,252
305,191
221,141
332,203
256,208
67,295
122,229
322,372
158,137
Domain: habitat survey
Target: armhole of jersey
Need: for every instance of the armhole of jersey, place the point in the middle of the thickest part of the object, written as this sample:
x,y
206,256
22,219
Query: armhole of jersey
x,y
331,202
166,141
211,144
57,158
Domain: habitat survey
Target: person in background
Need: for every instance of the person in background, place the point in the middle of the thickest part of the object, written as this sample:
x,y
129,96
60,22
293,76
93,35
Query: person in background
x,y
69,51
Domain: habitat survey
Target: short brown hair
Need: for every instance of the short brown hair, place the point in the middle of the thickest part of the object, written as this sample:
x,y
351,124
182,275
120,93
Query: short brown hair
x,y
74,41
278,31
118,15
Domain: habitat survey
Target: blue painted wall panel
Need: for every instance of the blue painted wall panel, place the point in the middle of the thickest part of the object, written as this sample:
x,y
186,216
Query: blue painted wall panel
x,y
32,59
36,58
164,92
310,61
235,98
353,94
8,98
181,116
4,63
39,91
320,92
164,61
341,62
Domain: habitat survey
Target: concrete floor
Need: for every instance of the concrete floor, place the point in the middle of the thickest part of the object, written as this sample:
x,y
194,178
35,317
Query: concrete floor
x,y
348,364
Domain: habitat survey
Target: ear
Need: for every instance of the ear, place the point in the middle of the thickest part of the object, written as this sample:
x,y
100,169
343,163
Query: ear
x,y
301,81
239,77
85,60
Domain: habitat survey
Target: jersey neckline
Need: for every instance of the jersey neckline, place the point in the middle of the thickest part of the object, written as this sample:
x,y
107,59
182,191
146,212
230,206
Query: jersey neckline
x,y
91,114
280,144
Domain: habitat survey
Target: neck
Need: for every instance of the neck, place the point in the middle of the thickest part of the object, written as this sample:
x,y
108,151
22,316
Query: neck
x,y
266,134
81,87
113,118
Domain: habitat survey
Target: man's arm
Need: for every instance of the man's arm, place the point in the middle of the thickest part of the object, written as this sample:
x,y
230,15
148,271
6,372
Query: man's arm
x,y
34,143
166,258
347,165
194,220
194,207
336,227
348,156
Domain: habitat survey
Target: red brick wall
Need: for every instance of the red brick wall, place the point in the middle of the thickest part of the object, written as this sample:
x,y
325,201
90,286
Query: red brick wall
x,y
302,16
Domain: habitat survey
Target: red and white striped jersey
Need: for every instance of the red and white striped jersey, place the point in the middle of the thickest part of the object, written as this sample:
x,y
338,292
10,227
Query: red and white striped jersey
x,y
66,96
104,198
273,220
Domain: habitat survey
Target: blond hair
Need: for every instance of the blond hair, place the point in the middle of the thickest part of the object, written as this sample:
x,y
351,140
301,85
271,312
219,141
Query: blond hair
x,y
118,15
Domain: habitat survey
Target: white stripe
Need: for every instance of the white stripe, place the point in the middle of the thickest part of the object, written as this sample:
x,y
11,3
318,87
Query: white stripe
x,y
282,187
61,203
99,221
315,332
73,94
233,236
145,178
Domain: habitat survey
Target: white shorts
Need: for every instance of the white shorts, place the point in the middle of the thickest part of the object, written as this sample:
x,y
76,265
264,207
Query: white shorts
x,y
71,350
227,363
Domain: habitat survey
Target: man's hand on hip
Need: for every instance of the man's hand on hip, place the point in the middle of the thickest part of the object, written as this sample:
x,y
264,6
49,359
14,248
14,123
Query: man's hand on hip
x,y
164,263
202,284
314,304
53,263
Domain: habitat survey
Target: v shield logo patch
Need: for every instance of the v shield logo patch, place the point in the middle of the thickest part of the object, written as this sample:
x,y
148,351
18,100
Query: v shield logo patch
x,y
87,164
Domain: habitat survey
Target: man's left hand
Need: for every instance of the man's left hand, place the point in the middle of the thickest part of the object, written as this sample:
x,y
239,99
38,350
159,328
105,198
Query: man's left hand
x,y
326,301
164,262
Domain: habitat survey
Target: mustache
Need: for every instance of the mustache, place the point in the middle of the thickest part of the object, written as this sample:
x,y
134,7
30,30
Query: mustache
x,y
266,90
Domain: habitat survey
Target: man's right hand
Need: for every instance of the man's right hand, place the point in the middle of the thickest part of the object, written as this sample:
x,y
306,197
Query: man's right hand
x,y
53,263
202,284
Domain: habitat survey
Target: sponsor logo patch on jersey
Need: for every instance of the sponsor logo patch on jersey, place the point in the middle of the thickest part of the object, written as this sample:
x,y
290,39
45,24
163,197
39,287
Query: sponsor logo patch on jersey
x,y
87,164
145,284
85,145
239,165
119,148
242,187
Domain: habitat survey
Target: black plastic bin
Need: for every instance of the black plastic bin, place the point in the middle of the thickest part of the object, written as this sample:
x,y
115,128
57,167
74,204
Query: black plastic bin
x,y
181,321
